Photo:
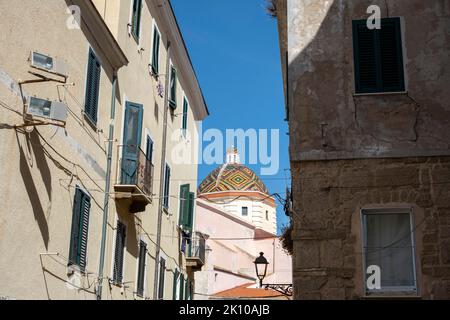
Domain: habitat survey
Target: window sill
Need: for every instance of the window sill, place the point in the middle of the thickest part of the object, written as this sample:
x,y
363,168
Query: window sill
x,y
380,93
90,122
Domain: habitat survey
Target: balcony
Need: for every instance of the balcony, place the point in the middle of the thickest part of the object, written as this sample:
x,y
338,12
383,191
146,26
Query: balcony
x,y
195,257
134,185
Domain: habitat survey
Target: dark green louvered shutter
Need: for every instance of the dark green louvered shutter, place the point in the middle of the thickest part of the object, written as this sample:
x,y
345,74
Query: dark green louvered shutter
x,y
80,229
190,219
119,253
182,286
378,57
173,88
187,290
92,87
184,204
84,230
162,272
166,187
136,19
141,268
391,55
185,114
175,284
155,53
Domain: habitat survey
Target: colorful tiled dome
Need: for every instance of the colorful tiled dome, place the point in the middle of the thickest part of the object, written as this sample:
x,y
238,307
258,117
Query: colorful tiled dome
x,y
232,176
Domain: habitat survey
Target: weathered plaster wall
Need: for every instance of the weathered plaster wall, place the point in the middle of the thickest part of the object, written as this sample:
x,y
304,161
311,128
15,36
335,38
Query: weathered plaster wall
x,y
327,121
327,235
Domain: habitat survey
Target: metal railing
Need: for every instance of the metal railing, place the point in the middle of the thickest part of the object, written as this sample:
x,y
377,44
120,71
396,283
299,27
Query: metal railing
x,y
198,248
135,169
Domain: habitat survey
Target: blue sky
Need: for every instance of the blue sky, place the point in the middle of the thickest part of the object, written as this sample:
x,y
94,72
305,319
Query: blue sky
x,y
233,45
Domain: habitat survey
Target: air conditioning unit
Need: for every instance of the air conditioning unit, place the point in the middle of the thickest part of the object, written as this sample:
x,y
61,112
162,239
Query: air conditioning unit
x,y
47,109
47,63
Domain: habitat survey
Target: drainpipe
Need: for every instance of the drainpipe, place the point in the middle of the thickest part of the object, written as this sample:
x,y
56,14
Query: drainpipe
x,y
162,175
107,188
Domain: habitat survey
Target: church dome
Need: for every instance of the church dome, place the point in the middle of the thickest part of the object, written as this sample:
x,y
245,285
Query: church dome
x,y
232,176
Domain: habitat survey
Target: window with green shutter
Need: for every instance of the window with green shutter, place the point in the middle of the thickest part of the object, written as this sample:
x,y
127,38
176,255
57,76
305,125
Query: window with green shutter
x,y
155,51
175,285
182,284
166,187
184,205
119,253
92,87
162,276
80,228
136,19
141,268
378,56
173,88
185,115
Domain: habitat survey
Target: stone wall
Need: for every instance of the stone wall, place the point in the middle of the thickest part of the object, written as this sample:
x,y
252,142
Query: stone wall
x,y
328,197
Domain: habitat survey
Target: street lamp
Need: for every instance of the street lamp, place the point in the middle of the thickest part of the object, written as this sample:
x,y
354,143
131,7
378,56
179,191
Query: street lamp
x,y
261,267
261,264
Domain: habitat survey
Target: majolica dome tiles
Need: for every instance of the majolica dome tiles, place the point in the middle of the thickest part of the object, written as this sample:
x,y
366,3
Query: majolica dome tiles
x,y
232,177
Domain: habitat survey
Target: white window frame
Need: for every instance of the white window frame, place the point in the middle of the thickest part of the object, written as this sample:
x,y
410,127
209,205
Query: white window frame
x,y
397,290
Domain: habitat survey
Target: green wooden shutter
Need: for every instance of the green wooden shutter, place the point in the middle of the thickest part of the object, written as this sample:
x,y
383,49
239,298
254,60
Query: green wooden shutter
x,y
166,187
185,114
119,253
136,19
92,87
186,290
155,54
84,230
74,234
162,271
173,88
141,268
391,55
182,286
80,229
175,285
184,204
190,219
366,66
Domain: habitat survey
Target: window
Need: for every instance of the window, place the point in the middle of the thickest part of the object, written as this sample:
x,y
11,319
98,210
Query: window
x,y
149,149
244,211
173,88
389,244
187,199
141,268
119,253
162,274
175,285
378,57
182,284
80,226
155,52
166,187
92,87
136,19
185,115
267,215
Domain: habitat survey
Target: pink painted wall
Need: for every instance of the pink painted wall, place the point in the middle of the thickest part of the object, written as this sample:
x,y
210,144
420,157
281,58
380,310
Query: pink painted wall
x,y
230,260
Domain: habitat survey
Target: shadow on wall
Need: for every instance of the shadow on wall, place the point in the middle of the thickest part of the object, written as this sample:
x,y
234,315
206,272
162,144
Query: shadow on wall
x,y
33,194
327,120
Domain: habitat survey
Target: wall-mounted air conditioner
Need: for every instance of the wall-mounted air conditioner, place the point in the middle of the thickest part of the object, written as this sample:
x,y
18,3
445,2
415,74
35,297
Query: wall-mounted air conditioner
x,y
47,109
48,63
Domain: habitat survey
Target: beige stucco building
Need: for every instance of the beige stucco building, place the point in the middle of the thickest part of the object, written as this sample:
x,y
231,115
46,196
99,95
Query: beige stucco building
x,y
92,207
369,125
